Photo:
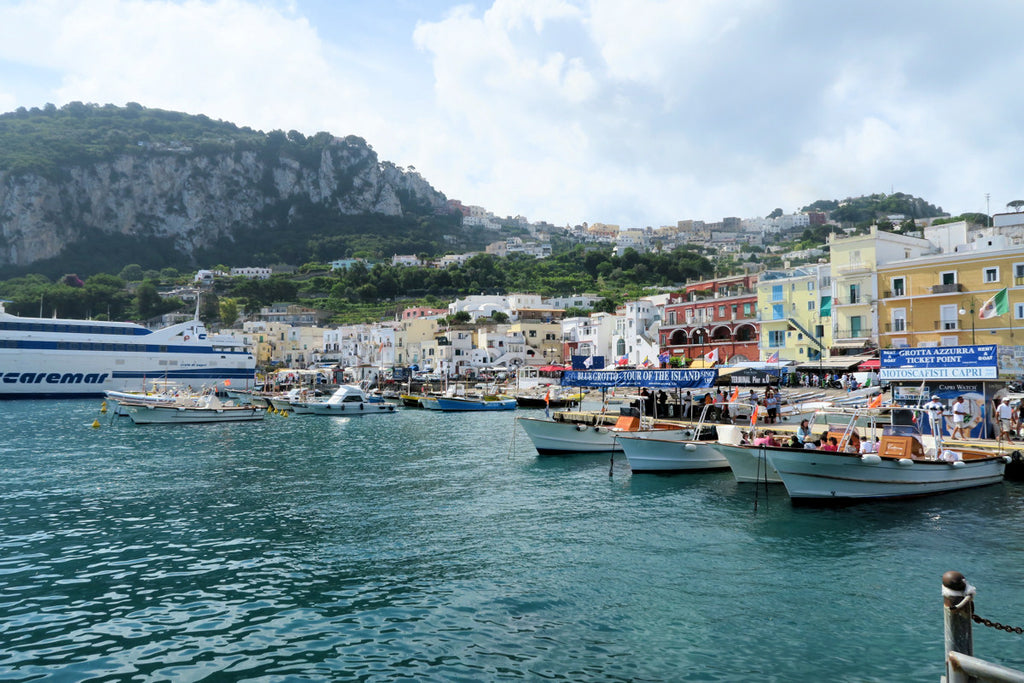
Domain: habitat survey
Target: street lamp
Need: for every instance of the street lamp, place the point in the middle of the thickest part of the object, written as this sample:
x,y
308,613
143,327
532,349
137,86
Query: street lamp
x,y
962,312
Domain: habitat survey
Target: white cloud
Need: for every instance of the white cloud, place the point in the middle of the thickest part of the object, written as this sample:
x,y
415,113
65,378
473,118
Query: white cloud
x,y
639,113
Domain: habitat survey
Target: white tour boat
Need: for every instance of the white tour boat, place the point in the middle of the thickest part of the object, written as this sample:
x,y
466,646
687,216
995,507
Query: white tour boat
x,y
677,450
63,358
904,466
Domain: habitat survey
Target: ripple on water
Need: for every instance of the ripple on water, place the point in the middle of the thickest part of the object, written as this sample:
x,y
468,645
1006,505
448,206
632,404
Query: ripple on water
x,y
430,546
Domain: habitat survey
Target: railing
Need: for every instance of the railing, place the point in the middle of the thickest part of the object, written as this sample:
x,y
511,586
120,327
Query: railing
x,y
853,334
889,294
855,267
947,325
947,289
958,614
897,326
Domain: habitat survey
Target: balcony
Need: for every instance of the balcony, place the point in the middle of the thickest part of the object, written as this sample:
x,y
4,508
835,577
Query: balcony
x,y
855,268
896,326
854,333
887,294
947,325
947,289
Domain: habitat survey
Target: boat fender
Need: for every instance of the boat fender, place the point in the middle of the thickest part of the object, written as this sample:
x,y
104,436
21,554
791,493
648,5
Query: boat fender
x,y
600,430
581,428
870,458
959,463
688,434
689,447
905,462
1017,455
1007,459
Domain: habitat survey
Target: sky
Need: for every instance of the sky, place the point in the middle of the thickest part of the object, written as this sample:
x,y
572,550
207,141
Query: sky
x,y
632,112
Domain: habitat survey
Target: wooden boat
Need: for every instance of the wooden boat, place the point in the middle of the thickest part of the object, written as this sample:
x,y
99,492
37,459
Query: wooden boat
x,y
904,466
674,450
566,434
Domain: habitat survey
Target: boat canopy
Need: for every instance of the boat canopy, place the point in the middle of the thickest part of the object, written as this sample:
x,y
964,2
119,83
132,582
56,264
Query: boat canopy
x,y
655,379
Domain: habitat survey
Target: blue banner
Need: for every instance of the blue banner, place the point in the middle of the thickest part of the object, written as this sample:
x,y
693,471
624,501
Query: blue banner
x,y
655,379
939,362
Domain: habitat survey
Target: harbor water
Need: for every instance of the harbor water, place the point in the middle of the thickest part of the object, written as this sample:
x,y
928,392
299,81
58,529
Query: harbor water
x,y
439,547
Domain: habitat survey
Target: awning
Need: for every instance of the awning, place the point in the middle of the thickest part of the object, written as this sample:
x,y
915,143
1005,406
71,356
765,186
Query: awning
x,y
834,363
851,343
871,364
699,364
723,372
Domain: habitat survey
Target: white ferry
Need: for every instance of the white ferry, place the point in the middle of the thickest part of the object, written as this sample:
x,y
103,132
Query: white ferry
x,y
59,358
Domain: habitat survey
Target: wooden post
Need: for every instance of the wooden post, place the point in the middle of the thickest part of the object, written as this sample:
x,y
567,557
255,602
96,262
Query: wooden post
x,y
957,607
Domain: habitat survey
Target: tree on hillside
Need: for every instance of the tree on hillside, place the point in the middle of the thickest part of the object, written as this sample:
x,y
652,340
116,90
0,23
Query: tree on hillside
x,y
147,300
228,312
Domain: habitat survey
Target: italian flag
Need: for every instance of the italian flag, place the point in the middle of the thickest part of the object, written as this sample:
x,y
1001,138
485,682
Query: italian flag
x,y
997,305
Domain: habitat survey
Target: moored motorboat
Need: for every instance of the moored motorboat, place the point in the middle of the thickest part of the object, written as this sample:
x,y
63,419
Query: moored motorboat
x,y
347,401
903,467
749,464
464,403
647,453
192,410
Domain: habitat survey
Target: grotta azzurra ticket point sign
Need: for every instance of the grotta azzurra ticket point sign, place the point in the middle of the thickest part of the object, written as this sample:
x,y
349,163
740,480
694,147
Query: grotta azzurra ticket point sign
x,y
939,363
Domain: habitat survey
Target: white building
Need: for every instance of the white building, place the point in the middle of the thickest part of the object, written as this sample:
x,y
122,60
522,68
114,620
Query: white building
x,y
252,273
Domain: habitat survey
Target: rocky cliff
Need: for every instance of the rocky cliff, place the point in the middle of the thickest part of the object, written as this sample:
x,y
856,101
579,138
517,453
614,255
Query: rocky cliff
x,y
192,197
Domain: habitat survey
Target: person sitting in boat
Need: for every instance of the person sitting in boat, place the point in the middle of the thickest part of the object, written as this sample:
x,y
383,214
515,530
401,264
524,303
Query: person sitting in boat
x,y
831,445
803,432
812,444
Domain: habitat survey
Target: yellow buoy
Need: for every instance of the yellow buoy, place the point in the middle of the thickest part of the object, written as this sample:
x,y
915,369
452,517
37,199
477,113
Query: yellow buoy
x,y
284,413
103,407
95,424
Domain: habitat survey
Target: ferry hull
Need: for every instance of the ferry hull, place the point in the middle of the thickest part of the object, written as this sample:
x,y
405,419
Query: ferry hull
x,y
55,358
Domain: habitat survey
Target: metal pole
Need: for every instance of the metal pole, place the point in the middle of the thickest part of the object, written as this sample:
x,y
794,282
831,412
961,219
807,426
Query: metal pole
x,y
957,608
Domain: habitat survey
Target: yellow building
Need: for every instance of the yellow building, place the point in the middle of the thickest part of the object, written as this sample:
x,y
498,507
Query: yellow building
x,y
855,263
936,300
795,311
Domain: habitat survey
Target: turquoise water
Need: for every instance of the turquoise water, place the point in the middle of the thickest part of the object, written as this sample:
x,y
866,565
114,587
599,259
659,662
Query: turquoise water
x,y
432,546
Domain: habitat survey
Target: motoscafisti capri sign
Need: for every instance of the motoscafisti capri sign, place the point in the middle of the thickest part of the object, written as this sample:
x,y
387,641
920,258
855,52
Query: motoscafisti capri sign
x,y
939,363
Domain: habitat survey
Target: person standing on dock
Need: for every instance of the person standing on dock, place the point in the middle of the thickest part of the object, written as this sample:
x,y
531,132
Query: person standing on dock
x,y
1004,413
959,415
935,409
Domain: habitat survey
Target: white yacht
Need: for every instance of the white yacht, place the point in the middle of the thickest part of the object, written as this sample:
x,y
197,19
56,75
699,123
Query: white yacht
x,y
62,358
